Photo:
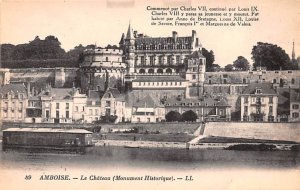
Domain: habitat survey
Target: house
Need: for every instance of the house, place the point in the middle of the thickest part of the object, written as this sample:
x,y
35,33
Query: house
x,y
206,108
294,105
13,102
57,105
93,107
259,102
147,110
113,104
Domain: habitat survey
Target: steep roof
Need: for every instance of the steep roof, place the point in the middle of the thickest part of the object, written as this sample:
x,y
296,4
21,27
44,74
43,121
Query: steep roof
x,y
158,78
59,93
295,95
115,93
266,88
163,40
196,54
283,101
14,88
204,101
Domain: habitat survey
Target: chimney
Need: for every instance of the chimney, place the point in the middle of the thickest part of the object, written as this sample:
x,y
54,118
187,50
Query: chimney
x,y
174,35
197,42
193,33
28,88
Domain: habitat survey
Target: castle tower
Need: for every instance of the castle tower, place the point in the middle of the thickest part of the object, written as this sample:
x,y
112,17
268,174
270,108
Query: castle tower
x,y
195,73
129,49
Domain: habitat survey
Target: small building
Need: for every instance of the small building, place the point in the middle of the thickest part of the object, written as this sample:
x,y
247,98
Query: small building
x,y
46,138
113,104
294,105
206,108
93,107
259,102
13,102
57,104
147,110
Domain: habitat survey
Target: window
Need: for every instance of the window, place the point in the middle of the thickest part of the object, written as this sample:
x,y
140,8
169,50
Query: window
x,y
67,106
152,59
258,100
293,81
224,81
67,114
169,60
295,106
107,104
274,81
295,115
76,108
57,105
148,120
21,96
106,59
47,114
57,114
270,99
20,105
258,91
194,77
142,60
270,110
246,100
107,112
161,60
90,111
96,112
178,59
138,119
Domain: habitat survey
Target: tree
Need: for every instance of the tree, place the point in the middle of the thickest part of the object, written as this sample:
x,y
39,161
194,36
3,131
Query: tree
x,y
241,63
189,116
210,58
270,56
228,67
173,116
214,68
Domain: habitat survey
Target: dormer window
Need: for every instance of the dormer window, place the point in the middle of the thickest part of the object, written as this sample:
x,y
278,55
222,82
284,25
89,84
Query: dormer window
x,y
258,91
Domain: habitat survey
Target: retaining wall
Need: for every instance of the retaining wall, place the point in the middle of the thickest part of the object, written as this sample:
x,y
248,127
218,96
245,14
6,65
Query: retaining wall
x,y
269,131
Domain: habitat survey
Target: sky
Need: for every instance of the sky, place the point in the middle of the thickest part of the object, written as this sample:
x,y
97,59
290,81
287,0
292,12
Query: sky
x,y
76,22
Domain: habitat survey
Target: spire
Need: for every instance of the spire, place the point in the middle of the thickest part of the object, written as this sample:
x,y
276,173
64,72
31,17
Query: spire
x,y
129,34
122,39
293,52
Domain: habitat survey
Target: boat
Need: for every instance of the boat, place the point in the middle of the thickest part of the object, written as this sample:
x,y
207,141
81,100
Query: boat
x,y
54,138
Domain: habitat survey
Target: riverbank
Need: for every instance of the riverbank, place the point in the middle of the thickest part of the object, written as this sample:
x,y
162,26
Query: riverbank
x,y
182,145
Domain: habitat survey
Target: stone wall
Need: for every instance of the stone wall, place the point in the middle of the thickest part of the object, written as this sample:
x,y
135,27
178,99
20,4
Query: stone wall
x,y
39,77
269,131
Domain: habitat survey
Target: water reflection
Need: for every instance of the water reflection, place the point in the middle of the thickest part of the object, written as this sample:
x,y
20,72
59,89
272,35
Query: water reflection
x,y
105,157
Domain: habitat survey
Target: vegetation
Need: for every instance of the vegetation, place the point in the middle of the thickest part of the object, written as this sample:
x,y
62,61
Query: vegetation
x,y
210,59
173,116
241,64
189,116
272,57
45,53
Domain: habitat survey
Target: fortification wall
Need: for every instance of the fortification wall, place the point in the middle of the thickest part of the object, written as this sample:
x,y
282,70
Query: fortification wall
x,y
270,131
39,77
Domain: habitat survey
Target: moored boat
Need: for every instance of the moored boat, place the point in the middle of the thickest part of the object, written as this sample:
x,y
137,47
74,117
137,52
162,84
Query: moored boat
x,y
46,138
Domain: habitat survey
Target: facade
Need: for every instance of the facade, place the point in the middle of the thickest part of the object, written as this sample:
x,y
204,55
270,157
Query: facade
x,y
259,102
113,104
206,108
92,107
13,102
147,110
57,105
102,68
294,105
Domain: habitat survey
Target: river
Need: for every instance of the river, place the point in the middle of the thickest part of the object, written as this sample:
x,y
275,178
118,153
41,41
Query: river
x,y
224,166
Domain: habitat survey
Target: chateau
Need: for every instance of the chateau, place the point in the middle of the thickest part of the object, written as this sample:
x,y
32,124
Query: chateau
x,y
143,80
